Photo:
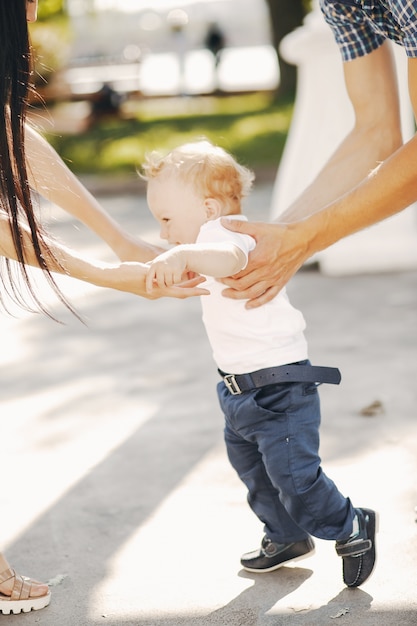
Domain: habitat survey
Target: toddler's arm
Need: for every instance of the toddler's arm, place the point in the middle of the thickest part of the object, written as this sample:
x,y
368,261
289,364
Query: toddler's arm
x,y
216,259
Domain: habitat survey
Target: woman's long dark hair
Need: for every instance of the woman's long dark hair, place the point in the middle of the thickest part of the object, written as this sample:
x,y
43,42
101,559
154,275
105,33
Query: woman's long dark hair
x,y
15,193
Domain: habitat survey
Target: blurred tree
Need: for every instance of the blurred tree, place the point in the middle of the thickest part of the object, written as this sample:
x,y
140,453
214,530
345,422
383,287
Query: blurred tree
x,y
286,15
50,36
50,8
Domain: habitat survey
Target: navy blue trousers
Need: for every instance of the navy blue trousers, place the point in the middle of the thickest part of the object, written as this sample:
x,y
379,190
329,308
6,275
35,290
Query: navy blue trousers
x,y
272,441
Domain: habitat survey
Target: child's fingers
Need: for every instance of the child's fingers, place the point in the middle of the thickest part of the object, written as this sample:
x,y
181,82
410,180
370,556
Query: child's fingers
x,y
162,275
177,277
149,280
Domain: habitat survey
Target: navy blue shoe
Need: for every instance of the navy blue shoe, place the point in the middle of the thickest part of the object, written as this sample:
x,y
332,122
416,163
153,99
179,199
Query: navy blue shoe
x,y
358,552
271,555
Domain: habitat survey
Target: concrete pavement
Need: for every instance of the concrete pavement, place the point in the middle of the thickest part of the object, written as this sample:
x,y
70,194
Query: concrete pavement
x,y
115,483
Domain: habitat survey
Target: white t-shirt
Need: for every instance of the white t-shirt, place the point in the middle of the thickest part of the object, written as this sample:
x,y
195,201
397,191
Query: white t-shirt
x,y
244,340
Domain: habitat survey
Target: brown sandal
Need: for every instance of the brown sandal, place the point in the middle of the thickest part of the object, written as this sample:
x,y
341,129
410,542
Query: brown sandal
x,y
20,599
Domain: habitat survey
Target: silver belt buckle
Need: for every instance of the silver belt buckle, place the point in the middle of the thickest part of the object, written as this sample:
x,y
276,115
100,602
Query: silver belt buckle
x,y
231,384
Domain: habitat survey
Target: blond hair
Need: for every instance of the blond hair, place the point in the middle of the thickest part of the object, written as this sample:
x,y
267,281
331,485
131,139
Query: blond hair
x,y
213,172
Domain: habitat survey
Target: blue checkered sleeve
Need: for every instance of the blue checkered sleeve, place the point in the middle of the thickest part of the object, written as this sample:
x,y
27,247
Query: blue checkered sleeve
x,y
361,26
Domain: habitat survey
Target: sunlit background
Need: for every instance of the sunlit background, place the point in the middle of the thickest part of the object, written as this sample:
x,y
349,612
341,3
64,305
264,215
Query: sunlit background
x,y
168,39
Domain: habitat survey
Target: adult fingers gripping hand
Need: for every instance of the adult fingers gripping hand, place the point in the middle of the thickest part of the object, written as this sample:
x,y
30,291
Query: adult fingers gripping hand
x,y
276,257
182,290
131,277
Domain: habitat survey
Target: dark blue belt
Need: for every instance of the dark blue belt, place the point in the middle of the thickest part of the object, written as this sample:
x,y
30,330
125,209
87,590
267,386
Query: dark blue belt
x,y
238,383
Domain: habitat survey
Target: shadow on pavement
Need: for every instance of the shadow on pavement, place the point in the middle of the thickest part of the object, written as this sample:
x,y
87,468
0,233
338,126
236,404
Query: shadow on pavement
x,y
136,353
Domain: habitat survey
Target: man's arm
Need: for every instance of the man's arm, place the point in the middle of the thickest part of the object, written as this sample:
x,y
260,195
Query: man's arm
x,y
53,180
380,184
375,135
216,259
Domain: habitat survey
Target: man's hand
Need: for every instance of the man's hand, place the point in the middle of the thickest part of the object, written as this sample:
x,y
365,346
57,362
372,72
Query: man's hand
x,y
276,257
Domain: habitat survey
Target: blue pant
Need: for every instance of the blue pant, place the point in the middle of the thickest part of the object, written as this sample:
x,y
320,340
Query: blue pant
x,y
272,440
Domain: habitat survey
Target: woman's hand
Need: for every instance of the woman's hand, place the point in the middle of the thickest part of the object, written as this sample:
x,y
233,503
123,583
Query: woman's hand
x,y
131,277
183,290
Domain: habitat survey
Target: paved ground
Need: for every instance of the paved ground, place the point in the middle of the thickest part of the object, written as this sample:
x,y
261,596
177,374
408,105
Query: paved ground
x,y
115,483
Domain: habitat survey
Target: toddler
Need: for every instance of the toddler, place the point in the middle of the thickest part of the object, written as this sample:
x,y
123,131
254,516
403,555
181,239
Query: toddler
x,y
268,387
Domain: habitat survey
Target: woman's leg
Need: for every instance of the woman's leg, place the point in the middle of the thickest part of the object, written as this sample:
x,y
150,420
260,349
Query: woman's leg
x,y
20,594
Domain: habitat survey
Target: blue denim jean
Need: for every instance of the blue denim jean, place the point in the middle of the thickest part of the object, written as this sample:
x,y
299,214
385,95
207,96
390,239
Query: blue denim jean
x,y
272,441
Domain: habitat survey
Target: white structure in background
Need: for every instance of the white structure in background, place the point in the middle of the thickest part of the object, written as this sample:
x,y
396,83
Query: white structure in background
x,y
322,117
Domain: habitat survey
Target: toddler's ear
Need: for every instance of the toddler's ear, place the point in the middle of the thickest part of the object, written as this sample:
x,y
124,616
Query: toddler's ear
x,y
213,208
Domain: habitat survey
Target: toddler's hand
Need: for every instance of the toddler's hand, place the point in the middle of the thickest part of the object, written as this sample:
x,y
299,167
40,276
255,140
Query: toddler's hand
x,y
166,270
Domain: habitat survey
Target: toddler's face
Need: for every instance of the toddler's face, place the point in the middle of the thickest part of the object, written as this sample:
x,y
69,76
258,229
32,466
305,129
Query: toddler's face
x,y
178,209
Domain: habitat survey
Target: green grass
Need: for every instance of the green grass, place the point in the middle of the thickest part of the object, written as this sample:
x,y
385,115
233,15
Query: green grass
x,y
252,127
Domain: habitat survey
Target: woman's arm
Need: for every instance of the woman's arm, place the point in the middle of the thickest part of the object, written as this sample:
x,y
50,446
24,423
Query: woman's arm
x,y
129,277
52,179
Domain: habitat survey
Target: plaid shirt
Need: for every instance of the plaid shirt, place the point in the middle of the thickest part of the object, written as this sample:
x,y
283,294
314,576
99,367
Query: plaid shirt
x,y
360,26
